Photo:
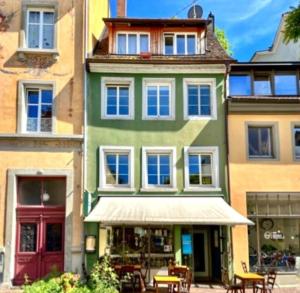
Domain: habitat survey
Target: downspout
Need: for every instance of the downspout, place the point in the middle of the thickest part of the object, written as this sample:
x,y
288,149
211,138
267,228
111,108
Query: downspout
x,y
227,155
84,169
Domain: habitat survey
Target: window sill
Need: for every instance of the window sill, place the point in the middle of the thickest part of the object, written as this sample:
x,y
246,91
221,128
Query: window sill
x,y
254,159
200,118
201,189
23,53
169,118
117,118
159,189
116,189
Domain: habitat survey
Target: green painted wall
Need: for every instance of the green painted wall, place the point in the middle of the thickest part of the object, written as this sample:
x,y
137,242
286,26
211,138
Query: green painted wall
x,y
139,133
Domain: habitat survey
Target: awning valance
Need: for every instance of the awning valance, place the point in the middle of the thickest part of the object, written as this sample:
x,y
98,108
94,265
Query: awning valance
x,y
156,210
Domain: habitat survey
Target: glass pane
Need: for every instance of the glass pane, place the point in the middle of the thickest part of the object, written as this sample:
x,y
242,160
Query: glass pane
x,y
169,46
54,237
240,85
46,111
48,17
32,111
33,36
297,142
285,84
123,101
262,84
191,45
260,141
132,44
123,169
33,97
206,164
30,192
111,101
122,44
151,100
46,124
144,43
32,124
28,237
180,42
47,96
253,141
265,143
193,99
48,36
34,17
54,192
206,180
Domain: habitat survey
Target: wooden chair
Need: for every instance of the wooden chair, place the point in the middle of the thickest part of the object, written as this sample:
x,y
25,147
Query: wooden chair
x,y
271,278
185,275
244,266
229,287
127,278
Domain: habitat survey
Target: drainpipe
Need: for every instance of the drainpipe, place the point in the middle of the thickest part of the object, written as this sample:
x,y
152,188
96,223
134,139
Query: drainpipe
x,y
227,152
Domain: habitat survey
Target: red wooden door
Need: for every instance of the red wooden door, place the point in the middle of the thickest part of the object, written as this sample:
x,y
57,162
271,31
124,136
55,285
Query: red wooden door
x,y
40,245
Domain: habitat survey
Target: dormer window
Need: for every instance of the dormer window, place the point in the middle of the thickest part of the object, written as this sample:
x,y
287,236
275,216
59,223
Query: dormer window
x,y
180,44
132,43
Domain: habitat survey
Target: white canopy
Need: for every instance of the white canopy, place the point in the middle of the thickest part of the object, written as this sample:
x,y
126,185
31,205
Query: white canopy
x,y
209,210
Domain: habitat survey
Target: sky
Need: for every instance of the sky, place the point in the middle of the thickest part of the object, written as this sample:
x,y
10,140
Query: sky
x,y
250,25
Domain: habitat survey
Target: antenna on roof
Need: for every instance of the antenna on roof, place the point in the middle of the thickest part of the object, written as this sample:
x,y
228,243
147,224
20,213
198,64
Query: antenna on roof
x,y
195,11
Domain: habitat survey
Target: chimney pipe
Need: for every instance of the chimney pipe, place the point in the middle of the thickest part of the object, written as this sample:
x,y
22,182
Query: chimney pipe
x,y
121,8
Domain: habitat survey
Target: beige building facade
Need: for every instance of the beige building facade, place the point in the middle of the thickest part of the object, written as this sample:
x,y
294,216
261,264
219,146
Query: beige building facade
x,y
43,44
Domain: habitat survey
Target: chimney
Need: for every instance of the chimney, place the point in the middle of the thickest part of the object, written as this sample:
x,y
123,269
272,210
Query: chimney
x,y
121,8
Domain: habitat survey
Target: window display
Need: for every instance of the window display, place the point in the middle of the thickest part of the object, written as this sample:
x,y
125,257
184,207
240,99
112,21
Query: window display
x,y
139,245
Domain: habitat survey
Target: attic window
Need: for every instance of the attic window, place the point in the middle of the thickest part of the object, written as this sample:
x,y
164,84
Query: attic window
x,y
132,43
180,44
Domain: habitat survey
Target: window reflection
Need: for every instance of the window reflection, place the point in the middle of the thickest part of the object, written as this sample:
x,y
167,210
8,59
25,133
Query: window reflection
x,y
240,85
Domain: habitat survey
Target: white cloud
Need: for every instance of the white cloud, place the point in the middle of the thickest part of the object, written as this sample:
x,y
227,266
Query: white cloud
x,y
251,9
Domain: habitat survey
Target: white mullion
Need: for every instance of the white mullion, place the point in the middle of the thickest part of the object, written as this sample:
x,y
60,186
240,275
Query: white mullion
x,y
127,43
199,100
117,169
158,101
41,29
175,44
39,111
200,168
117,98
158,169
138,45
185,44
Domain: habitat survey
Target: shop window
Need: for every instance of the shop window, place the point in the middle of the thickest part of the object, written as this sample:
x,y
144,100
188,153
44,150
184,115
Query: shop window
x,y
158,99
285,84
261,142
117,98
136,245
133,43
116,167
41,191
240,85
262,84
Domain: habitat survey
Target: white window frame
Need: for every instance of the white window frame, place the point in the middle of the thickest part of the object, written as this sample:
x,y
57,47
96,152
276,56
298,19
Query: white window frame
x,y
170,82
42,11
102,177
295,127
213,98
214,152
159,150
117,81
23,86
138,35
174,34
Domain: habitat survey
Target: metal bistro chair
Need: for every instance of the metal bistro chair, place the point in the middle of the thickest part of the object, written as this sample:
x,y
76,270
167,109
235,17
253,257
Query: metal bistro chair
x,y
229,287
271,278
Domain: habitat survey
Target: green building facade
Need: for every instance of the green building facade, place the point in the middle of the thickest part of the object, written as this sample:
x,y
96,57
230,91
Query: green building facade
x,y
156,152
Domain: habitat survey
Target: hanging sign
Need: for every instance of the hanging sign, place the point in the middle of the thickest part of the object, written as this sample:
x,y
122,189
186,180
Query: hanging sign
x,y
186,244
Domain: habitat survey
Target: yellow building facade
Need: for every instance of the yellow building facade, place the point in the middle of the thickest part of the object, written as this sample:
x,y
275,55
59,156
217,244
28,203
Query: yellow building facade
x,y
43,45
263,136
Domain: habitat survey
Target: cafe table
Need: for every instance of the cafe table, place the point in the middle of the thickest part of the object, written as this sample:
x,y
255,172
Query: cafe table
x,y
166,280
250,278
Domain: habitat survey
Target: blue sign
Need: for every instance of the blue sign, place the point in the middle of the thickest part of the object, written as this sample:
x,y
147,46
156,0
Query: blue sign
x,y
186,244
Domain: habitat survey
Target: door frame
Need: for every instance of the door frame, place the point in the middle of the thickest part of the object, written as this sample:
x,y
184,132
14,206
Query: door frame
x,y
205,232
11,217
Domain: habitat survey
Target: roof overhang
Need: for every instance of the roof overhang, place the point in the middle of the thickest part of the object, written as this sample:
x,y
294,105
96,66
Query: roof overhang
x,y
104,67
154,210
158,22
